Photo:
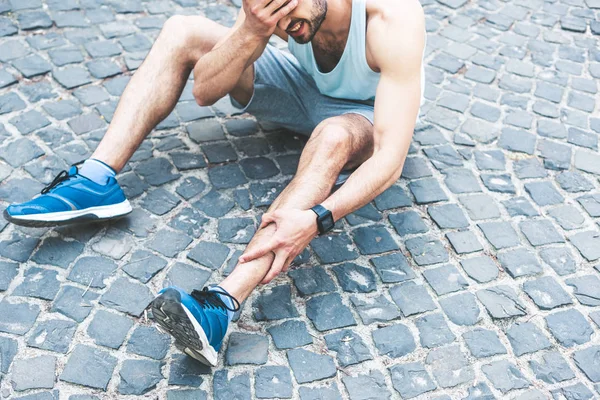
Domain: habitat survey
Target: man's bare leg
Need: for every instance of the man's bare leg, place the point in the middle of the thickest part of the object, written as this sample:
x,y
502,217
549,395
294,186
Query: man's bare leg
x,y
337,143
156,86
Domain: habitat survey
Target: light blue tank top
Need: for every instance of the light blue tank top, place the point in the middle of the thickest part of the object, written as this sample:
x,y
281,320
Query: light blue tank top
x,y
352,78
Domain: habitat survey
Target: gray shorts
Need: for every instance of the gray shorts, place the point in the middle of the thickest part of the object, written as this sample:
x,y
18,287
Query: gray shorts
x,y
287,96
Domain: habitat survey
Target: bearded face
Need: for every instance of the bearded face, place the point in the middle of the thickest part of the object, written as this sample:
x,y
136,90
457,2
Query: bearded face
x,y
306,19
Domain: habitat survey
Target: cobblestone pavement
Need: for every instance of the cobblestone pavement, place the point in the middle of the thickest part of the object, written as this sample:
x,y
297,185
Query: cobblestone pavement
x,y
476,276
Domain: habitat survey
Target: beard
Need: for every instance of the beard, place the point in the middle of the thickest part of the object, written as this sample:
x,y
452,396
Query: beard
x,y
318,14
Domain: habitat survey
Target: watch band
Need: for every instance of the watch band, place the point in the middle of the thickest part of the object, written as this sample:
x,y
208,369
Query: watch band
x,y
324,219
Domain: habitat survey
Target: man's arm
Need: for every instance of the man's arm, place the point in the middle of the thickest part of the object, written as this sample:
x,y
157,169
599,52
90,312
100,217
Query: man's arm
x,y
397,46
218,71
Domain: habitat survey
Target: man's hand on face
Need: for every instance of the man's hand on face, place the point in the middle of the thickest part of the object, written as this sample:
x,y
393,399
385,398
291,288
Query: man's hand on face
x,y
262,16
294,231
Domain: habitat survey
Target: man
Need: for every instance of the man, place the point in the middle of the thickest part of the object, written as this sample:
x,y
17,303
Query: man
x,y
354,84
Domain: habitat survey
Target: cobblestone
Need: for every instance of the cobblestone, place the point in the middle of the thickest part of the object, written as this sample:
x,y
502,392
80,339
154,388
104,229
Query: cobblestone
x,y
502,180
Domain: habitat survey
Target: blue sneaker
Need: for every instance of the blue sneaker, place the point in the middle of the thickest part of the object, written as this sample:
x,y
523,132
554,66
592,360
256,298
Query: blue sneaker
x,y
71,198
198,322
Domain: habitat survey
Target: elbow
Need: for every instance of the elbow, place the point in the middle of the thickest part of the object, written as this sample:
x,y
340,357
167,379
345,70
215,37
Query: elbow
x,y
201,97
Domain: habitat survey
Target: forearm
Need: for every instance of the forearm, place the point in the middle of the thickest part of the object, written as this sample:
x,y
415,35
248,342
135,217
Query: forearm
x,y
218,71
372,178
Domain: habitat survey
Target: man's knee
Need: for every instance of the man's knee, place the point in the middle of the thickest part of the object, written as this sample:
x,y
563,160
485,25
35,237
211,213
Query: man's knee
x,y
184,35
333,136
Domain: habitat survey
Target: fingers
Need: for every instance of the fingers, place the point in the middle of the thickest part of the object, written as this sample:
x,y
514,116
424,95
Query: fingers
x,y
266,219
276,267
258,251
272,7
285,10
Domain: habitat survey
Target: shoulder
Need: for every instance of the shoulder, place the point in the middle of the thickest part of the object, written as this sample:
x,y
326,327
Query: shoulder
x,y
405,16
395,29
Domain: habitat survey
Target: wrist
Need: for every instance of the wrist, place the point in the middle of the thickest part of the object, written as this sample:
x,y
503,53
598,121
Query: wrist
x,y
252,35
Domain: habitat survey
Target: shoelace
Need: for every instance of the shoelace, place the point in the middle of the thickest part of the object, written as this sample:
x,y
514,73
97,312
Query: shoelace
x,y
60,178
211,298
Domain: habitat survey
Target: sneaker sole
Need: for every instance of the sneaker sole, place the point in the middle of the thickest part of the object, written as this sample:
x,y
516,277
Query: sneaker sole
x,y
91,214
178,321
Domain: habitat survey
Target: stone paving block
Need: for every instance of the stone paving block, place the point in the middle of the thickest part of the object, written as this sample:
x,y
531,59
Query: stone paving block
x,y
407,223
368,385
374,240
517,140
433,331
501,302
556,156
483,343
376,309
464,242
363,215
73,302
273,381
143,265
450,366
519,262
560,259
526,338
349,347
72,77
443,157
551,367
546,293
139,376
6,78
394,341
569,327
354,278
586,289
334,248
40,283
17,318
585,361
290,334
109,329
567,216
274,303
500,234
584,161
415,168
427,191
448,216
480,206
246,348
329,312
540,232
92,271
309,367
588,244
505,376
20,152
412,298
8,271
425,250
89,367
573,182
411,379
482,269
127,296
8,350
186,371
578,390
461,309
393,197
34,373
460,180
312,280
149,342
209,254
445,279
330,392
498,183
393,268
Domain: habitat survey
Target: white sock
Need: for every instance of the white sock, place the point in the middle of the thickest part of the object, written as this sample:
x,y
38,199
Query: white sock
x,y
96,171
227,300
